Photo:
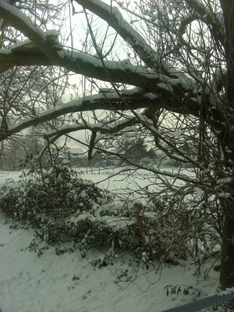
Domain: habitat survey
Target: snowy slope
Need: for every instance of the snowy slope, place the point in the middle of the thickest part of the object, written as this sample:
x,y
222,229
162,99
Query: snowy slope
x,y
70,283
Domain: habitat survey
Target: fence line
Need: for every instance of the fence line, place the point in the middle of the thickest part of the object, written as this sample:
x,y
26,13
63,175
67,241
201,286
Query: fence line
x,y
113,170
204,303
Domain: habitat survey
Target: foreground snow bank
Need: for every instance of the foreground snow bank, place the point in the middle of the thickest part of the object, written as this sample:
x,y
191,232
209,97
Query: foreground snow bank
x,y
68,283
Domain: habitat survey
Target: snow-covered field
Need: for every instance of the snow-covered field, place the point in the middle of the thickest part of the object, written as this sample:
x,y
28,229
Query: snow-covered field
x,y
70,283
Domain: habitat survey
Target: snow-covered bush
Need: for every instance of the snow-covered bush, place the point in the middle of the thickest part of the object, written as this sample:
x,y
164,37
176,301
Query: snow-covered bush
x,y
46,200
173,230
63,208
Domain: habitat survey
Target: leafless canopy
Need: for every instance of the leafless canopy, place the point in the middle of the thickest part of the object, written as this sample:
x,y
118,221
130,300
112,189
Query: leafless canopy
x,y
174,59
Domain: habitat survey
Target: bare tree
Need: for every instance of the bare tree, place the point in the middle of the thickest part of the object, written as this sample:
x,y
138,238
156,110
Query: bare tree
x,y
164,67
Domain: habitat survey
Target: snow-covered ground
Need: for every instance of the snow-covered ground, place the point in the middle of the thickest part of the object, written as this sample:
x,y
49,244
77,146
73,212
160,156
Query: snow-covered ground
x,y
70,283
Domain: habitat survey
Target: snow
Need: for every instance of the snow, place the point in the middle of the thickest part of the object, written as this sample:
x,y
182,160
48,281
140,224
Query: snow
x,y
228,291
151,96
224,180
124,65
71,107
141,47
70,283
199,191
177,133
165,86
223,195
21,18
47,34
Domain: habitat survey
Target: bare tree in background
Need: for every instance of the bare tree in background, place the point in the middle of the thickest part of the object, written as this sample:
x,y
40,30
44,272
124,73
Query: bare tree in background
x,y
165,68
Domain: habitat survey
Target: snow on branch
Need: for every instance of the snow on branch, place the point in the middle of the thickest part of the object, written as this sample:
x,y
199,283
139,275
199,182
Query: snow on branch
x,y
112,100
114,18
106,101
80,63
96,127
173,90
47,53
21,22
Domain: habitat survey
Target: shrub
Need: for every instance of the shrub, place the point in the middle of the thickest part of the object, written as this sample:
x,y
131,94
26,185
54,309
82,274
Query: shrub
x,y
46,200
63,208
172,231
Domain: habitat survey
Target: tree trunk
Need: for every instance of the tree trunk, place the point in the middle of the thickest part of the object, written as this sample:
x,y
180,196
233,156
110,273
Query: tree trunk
x,y
227,255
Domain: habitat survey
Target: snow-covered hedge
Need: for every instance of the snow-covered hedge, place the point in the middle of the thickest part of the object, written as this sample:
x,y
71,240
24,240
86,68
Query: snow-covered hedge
x,y
48,199
63,208
57,193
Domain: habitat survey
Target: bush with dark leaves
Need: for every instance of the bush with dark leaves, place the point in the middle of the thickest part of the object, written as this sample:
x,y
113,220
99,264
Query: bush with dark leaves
x,y
46,200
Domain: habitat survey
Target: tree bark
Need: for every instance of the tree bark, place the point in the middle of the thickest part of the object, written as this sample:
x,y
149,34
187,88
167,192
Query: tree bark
x,y
227,256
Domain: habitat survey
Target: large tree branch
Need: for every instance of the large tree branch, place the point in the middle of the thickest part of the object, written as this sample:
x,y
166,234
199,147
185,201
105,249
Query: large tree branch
x,y
125,100
89,103
81,63
128,100
111,128
171,90
115,19
45,53
8,59
21,22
